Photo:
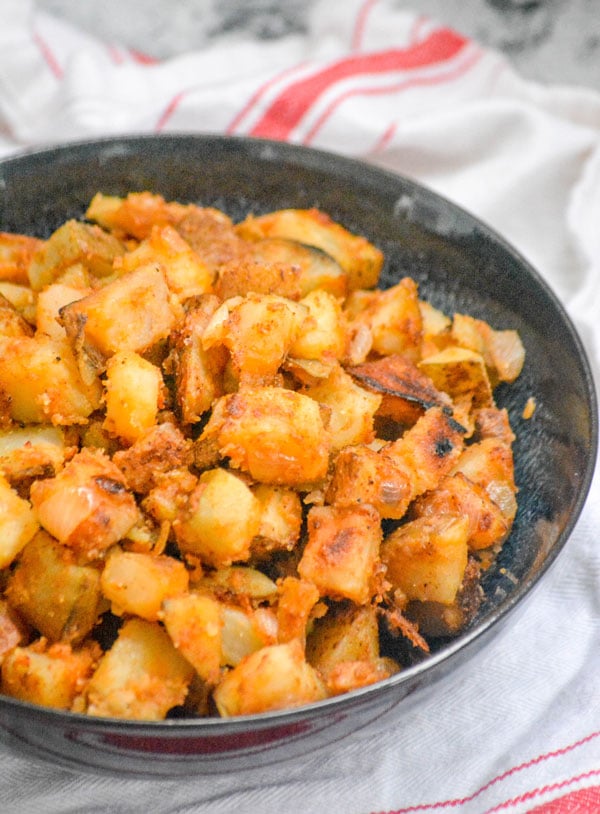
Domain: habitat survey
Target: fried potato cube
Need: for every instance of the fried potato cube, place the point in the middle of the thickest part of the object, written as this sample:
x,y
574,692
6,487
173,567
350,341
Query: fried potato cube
x,y
34,450
135,215
12,322
159,450
257,330
459,372
352,408
361,260
221,519
344,634
194,623
362,475
134,393
74,242
198,372
137,584
502,351
342,551
18,523
489,463
51,591
186,274
242,634
280,518
131,313
427,557
22,298
276,435
41,379
275,677
86,506
49,302
141,677
16,252
169,494
297,598
392,316
13,629
322,332
51,676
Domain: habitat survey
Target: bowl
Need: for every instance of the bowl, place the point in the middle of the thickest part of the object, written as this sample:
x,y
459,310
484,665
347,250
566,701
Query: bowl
x,y
460,265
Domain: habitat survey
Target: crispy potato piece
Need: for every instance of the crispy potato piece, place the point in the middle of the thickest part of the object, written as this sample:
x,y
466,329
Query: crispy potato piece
x,y
198,371
194,623
22,298
12,322
51,676
361,260
275,677
492,422
350,675
56,595
352,408
212,236
40,378
141,677
13,629
297,598
322,331
49,302
342,551
185,273
220,521
276,435
138,584
18,523
16,252
169,494
459,372
502,351
426,558
243,633
74,242
280,519
134,393
86,506
393,318
406,391
258,331
253,274
242,581
489,463
146,315
345,634
135,215
159,450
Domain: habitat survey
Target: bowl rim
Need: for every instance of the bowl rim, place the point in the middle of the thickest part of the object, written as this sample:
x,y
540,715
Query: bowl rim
x,y
344,167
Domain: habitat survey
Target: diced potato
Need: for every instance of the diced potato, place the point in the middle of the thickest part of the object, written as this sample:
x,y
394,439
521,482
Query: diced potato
x,y
138,584
194,623
57,596
12,322
352,408
169,494
426,558
257,330
221,519
361,260
186,274
275,434
22,298
459,372
86,506
241,580
393,317
134,393
297,598
145,312
345,634
241,634
157,451
141,677
135,215
276,677
342,551
52,677
322,331
42,381
49,303
502,351
350,675
198,371
18,523
212,236
489,463
74,242
16,252
280,518
13,629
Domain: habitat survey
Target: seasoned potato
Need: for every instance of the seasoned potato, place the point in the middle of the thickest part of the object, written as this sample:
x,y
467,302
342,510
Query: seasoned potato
x,y
142,676
276,435
18,523
16,252
458,372
13,629
297,598
194,622
275,677
133,395
322,330
12,323
135,215
280,518
344,634
157,451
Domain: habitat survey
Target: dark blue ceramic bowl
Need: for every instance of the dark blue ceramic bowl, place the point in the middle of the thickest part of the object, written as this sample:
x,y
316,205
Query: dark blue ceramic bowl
x,y
460,265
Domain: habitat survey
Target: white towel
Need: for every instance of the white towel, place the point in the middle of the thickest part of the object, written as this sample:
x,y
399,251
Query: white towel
x,y
517,728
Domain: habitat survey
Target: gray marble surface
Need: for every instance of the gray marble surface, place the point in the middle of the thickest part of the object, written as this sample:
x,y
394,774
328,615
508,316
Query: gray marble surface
x,y
554,41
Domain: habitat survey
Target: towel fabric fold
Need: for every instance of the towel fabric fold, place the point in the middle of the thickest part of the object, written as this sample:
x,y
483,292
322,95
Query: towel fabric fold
x,y
517,728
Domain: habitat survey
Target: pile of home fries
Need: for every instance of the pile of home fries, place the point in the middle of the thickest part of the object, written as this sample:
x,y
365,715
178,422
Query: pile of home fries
x,y
231,468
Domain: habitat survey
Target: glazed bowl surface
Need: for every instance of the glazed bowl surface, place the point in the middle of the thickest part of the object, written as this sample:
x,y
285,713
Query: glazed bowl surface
x,y
460,265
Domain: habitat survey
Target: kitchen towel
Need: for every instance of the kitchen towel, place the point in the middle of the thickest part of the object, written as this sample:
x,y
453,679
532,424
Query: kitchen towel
x,y
517,729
